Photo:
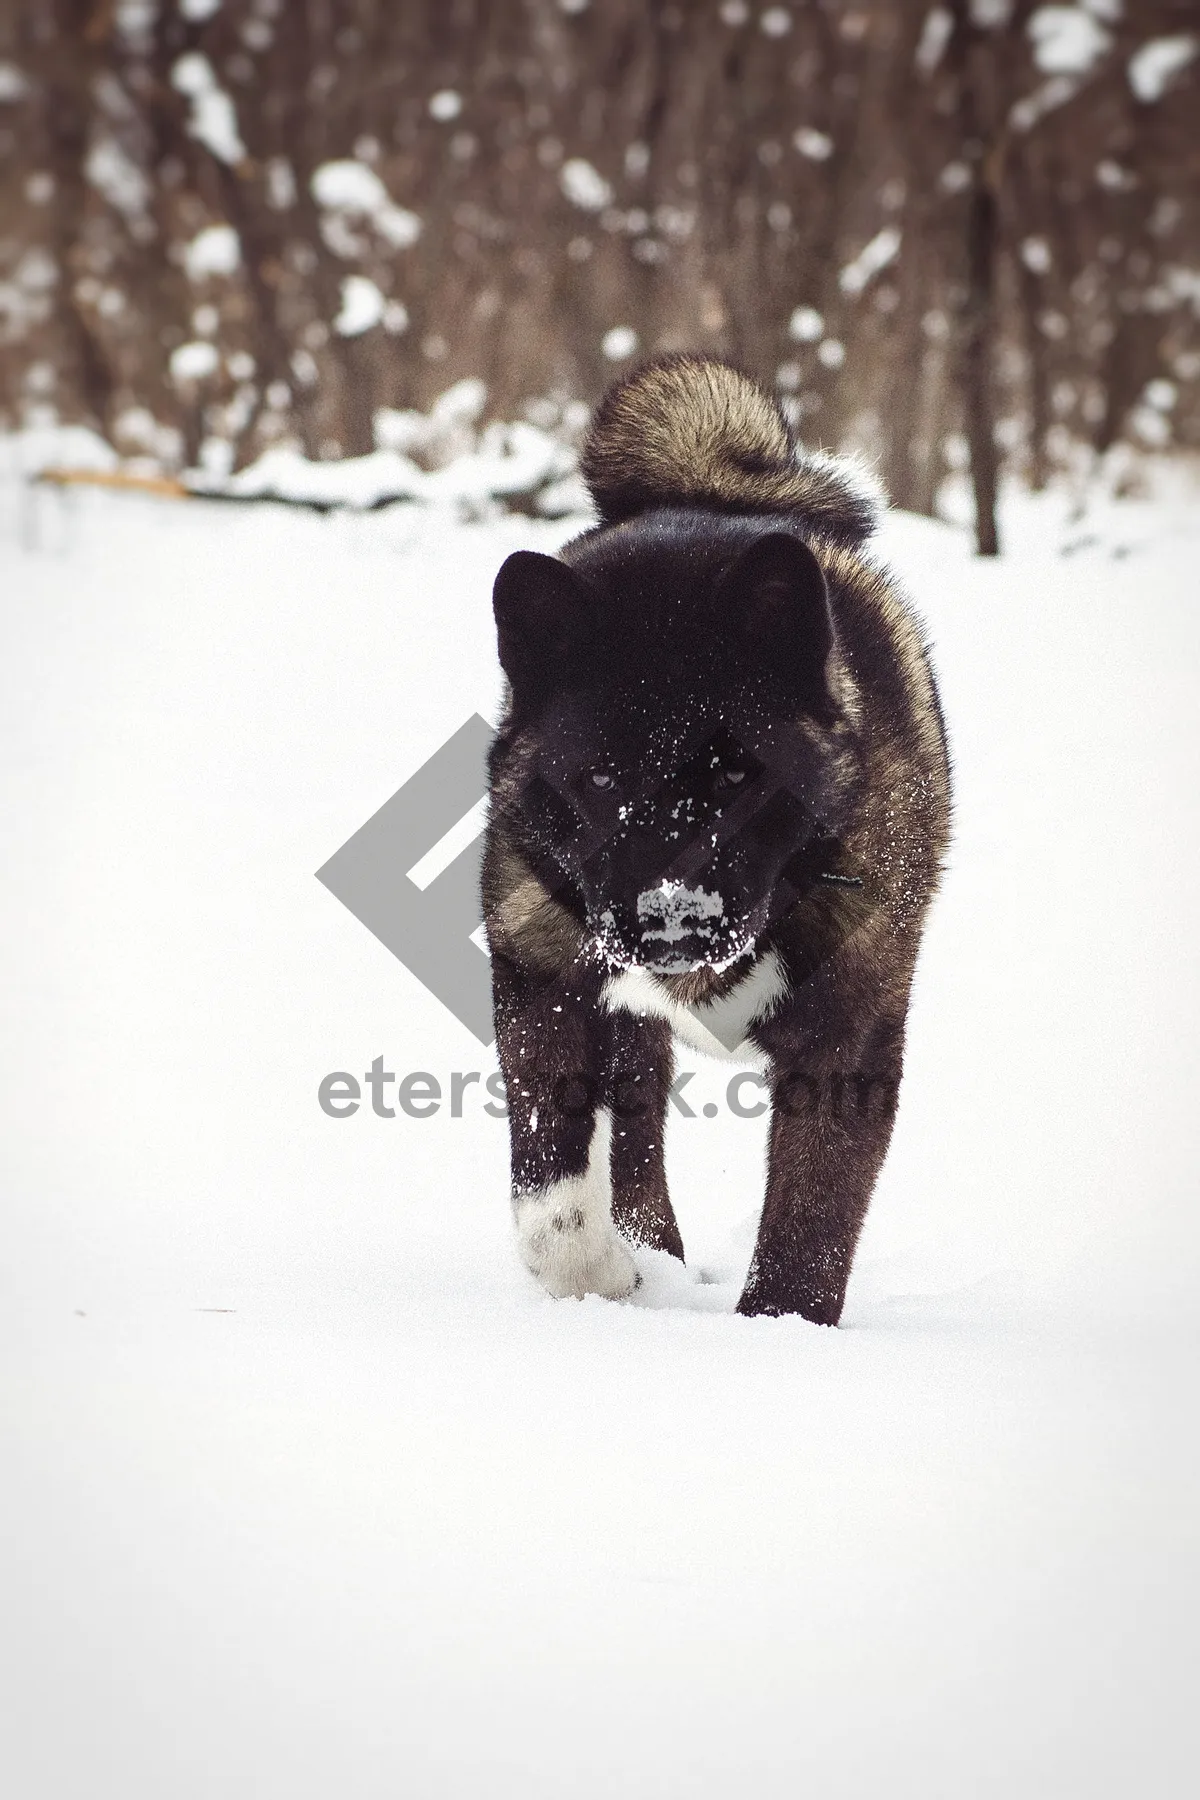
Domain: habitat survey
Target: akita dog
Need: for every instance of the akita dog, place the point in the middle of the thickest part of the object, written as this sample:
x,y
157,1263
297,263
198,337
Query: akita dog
x,y
719,801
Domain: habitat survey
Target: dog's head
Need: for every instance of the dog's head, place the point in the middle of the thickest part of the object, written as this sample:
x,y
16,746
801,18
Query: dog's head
x,y
675,751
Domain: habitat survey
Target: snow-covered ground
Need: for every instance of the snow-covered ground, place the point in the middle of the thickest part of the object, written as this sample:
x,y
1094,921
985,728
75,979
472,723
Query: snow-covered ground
x,y
308,1491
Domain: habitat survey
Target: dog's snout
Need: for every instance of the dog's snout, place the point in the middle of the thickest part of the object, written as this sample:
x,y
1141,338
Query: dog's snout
x,y
672,910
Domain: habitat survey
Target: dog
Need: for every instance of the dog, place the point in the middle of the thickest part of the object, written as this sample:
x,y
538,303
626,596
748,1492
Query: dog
x,y
719,803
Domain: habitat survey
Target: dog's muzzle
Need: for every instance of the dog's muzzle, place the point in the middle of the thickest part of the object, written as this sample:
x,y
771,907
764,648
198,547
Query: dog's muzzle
x,y
680,927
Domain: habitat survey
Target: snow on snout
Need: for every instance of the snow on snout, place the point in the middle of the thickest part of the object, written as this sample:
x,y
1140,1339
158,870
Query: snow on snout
x,y
672,911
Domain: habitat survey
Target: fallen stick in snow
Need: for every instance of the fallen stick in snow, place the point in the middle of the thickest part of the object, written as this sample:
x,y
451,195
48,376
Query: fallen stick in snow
x,y
519,500
115,478
170,488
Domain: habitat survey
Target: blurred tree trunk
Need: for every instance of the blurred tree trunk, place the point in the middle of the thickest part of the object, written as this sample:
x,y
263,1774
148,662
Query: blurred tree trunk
x,y
981,149
979,336
66,49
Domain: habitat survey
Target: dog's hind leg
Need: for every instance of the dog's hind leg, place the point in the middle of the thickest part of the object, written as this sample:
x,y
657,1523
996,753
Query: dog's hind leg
x,y
639,1080
832,1119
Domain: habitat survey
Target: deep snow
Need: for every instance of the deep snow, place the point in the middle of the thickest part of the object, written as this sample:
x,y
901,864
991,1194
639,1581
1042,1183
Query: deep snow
x,y
309,1491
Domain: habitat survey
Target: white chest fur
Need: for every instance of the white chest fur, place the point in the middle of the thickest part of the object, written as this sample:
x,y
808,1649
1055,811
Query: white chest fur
x,y
717,1029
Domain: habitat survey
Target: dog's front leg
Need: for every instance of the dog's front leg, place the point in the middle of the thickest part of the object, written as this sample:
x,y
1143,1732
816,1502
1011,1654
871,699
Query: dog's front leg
x,y
552,1039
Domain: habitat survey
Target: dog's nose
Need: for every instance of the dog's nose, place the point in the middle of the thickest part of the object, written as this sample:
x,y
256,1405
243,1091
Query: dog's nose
x,y
673,911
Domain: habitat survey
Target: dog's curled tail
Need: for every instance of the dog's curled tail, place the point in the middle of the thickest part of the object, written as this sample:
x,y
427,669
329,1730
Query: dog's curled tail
x,y
688,431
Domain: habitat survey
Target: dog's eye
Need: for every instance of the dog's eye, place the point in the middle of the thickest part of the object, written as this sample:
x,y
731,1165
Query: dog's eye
x,y
732,777
602,779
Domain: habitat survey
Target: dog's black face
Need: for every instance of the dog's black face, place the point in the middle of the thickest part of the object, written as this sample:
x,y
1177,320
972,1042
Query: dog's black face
x,y
669,759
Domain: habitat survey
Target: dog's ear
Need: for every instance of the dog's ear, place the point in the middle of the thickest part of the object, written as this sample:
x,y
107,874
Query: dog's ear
x,y
776,594
543,618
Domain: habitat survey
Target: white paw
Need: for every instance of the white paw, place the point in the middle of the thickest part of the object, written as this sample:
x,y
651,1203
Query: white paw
x,y
570,1252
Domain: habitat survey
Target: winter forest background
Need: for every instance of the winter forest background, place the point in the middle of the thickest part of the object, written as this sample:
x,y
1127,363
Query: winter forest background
x,y
950,236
